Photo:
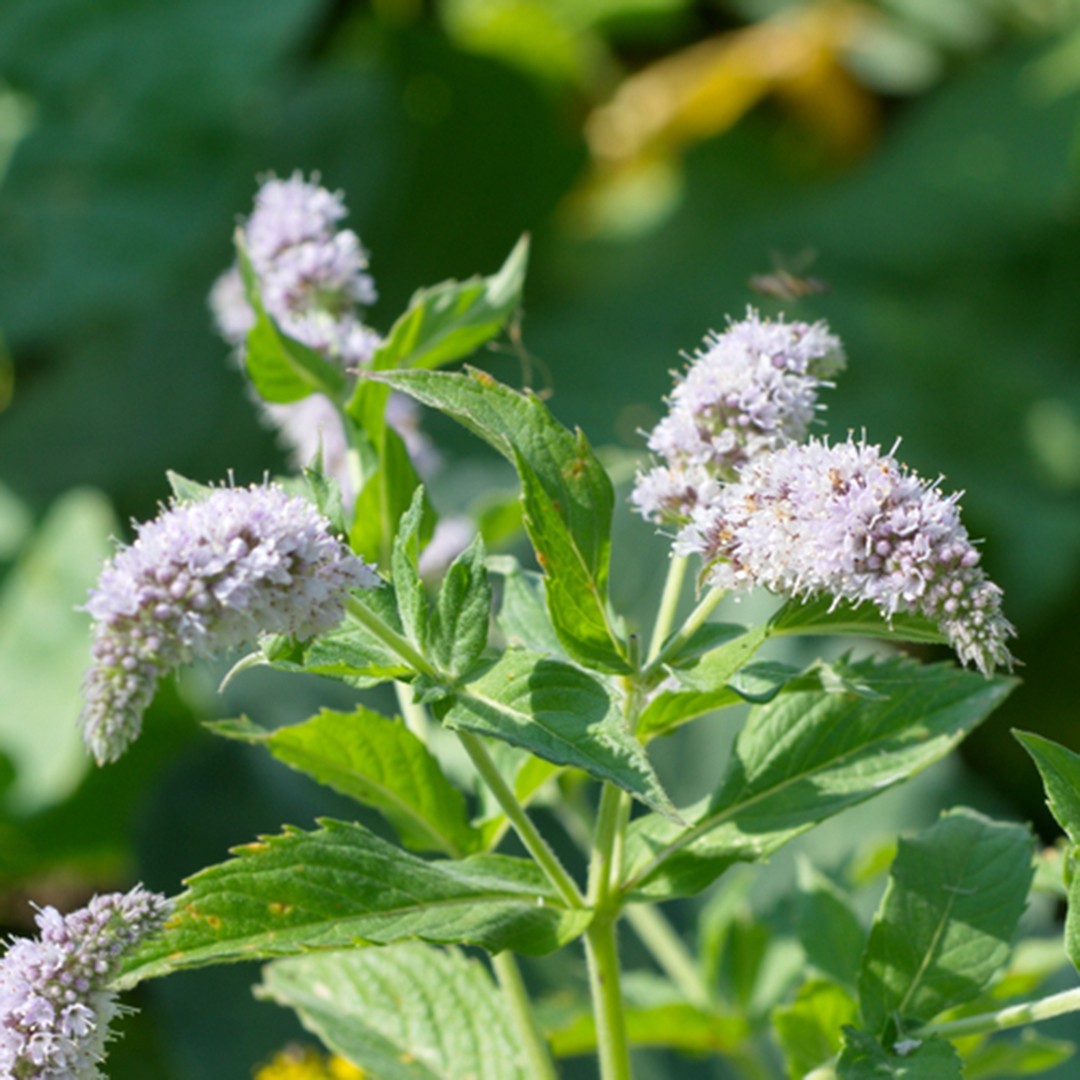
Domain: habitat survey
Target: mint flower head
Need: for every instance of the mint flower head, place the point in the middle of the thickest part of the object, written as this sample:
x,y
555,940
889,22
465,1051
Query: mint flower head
x,y
55,1008
851,522
202,578
751,390
311,274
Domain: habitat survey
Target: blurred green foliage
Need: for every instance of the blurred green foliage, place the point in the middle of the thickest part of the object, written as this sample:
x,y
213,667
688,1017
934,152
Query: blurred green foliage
x,y
661,152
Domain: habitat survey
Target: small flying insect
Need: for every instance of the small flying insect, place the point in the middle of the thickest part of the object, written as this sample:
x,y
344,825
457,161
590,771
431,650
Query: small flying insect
x,y
788,279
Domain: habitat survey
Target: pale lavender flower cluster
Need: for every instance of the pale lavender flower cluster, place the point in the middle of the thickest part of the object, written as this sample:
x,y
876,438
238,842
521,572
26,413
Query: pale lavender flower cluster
x,y
202,578
312,281
55,1007
851,522
311,274
752,389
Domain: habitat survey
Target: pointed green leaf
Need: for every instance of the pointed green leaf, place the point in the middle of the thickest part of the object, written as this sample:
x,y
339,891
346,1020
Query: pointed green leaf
x,y
324,493
351,652
378,762
576,597
566,494
825,615
715,668
458,631
389,481
809,1029
281,368
1060,772
670,709
829,930
807,755
865,1059
185,490
450,321
558,713
947,918
341,885
1072,921
404,1012
523,617
705,639
412,603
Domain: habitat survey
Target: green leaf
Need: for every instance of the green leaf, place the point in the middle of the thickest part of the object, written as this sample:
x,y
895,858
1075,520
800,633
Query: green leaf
x,y
185,490
714,669
670,709
324,493
458,631
389,483
558,713
864,1058
566,494
523,617
829,930
1072,921
808,1029
825,616
1027,1055
411,601
807,755
713,679
341,885
450,321
947,918
576,597
405,1012
351,652
705,639
1060,772
281,368
378,762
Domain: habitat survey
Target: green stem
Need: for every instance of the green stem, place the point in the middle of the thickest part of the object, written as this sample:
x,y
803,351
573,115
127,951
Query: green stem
x,y
534,842
537,1052
1029,1012
694,621
601,945
601,866
669,603
412,712
602,954
390,638
669,951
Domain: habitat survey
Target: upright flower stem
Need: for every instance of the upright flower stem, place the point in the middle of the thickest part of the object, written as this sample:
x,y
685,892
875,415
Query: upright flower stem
x,y
533,1042
523,825
602,954
669,604
694,621
413,713
601,945
669,951
389,637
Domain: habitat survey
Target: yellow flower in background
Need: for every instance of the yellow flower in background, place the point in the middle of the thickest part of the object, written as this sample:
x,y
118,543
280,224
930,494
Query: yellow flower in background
x,y
306,1063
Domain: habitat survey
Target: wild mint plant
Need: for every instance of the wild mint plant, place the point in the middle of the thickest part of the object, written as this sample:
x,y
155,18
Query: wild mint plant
x,y
520,686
